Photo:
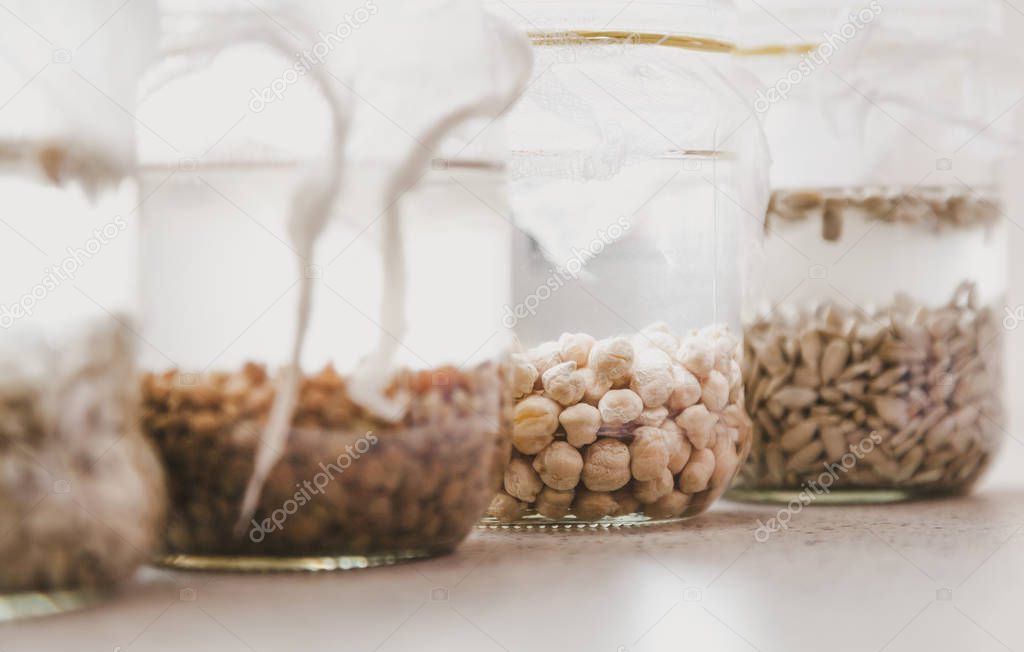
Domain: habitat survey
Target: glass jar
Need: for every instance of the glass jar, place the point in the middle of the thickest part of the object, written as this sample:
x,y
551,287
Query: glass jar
x,y
81,491
874,366
378,351
633,178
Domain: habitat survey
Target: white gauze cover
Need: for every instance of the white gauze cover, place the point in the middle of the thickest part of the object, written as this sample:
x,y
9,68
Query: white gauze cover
x,y
912,84
69,74
602,112
431,66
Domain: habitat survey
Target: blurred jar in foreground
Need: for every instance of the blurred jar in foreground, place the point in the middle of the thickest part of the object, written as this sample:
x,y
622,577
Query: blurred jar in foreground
x,y
634,178
874,362
334,401
81,492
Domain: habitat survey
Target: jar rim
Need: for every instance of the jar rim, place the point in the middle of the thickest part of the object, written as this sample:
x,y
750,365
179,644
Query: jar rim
x,y
618,37
437,163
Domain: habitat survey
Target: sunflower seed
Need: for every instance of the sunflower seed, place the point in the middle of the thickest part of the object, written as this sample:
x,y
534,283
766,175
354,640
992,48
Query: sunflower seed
x,y
922,382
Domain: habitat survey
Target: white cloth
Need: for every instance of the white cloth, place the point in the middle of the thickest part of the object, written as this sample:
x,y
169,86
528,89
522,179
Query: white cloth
x,y
69,73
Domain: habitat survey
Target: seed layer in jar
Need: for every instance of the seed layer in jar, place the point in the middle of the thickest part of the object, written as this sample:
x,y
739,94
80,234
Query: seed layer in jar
x,y
648,425
906,397
929,208
348,483
81,492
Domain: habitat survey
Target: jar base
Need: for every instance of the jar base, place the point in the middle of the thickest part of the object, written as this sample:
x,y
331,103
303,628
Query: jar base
x,y
255,564
538,522
867,496
33,604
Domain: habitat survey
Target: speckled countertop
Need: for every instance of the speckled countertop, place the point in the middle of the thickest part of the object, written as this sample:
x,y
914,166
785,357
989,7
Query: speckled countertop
x,y
936,575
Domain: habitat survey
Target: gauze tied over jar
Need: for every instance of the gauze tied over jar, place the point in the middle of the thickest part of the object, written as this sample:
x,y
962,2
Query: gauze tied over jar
x,y
634,189
874,353
325,385
81,491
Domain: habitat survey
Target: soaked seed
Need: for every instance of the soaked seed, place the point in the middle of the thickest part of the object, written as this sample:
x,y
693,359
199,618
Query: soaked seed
x,y
832,221
794,397
798,436
834,359
913,374
805,457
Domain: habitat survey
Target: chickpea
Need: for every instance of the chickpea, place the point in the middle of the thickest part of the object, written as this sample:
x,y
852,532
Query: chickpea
x,y
697,355
575,347
697,474
648,455
594,505
715,391
559,466
657,336
723,341
521,481
564,384
654,416
698,424
524,375
649,491
652,377
620,406
553,503
545,356
606,465
534,424
505,508
679,447
735,416
671,505
735,375
726,348
581,423
727,460
686,389
596,386
725,434
612,359
736,392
